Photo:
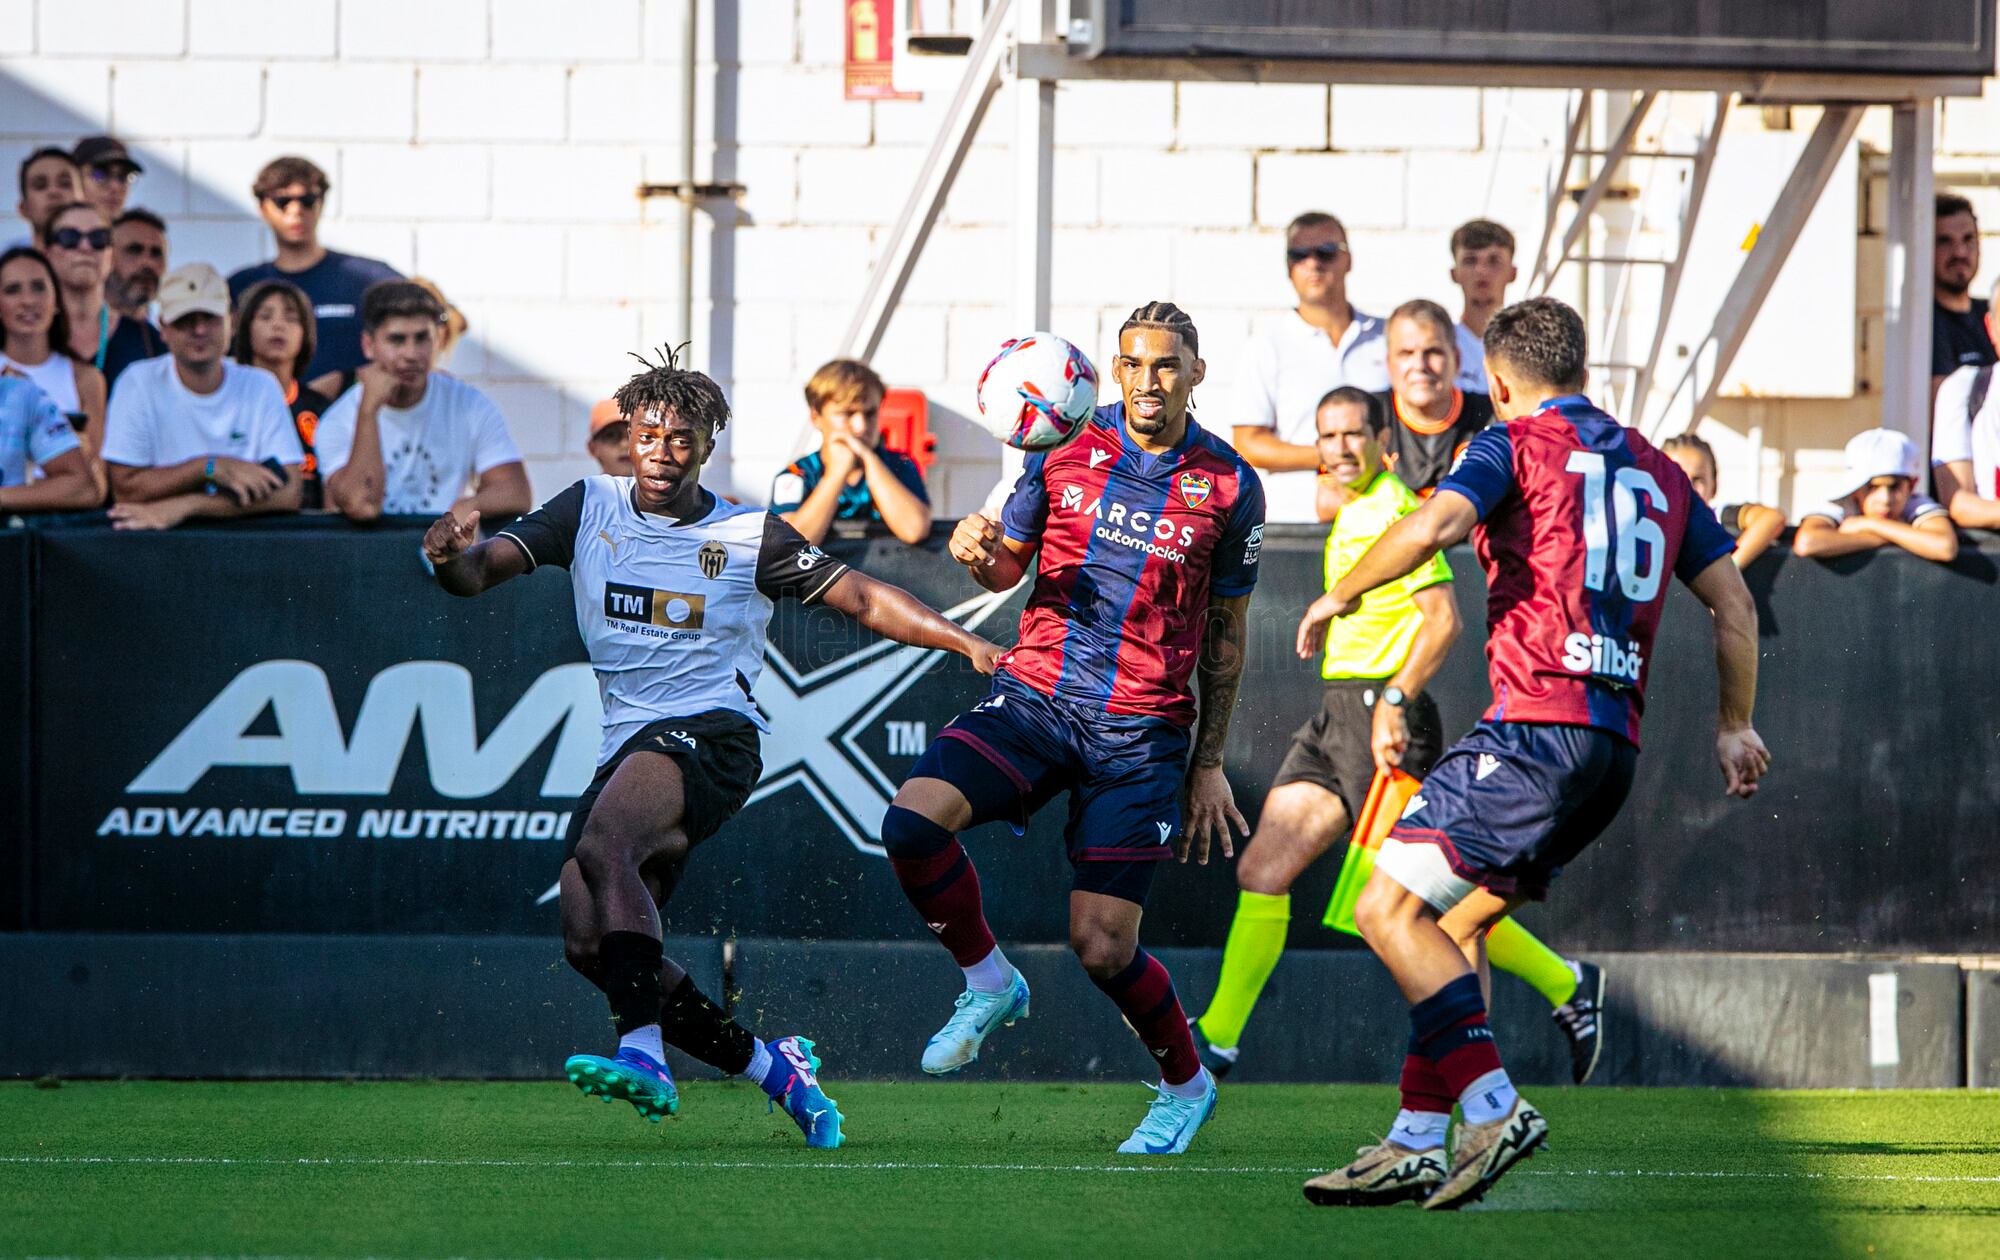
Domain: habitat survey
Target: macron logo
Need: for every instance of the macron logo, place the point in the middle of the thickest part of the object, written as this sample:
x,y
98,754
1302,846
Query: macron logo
x,y
1488,763
1416,803
1098,457
1166,831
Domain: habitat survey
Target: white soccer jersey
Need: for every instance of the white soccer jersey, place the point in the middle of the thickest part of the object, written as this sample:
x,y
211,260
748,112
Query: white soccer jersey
x,y
673,613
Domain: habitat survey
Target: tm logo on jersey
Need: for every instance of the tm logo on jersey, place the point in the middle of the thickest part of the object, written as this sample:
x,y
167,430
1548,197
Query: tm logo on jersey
x,y
1600,657
662,614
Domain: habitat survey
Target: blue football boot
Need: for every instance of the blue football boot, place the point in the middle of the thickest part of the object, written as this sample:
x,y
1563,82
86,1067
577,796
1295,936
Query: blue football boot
x,y
794,1085
633,1076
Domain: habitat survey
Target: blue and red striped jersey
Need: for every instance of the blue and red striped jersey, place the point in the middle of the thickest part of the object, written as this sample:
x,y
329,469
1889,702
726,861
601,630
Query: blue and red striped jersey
x,y
1581,519
1132,546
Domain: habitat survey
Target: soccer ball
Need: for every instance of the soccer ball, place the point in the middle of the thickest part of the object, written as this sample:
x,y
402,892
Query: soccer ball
x,y
1037,392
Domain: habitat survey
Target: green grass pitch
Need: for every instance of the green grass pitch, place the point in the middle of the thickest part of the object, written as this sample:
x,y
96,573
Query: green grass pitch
x,y
962,1169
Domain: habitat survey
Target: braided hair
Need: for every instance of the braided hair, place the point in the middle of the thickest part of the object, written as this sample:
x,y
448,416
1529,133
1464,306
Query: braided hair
x,y
665,386
1166,316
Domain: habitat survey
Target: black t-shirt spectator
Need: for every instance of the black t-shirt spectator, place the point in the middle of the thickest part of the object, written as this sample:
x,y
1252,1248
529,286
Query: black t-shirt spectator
x,y
334,285
1959,338
131,340
1421,451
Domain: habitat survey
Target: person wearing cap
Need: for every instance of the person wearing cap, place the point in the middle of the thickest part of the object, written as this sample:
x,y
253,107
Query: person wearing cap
x,y
609,431
291,194
192,434
1881,509
48,180
852,476
108,171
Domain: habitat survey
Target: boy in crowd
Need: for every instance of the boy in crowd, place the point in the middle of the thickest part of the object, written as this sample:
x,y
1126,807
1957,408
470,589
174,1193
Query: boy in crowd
x,y
1482,266
291,194
49,181
852,476
412,440
1882,508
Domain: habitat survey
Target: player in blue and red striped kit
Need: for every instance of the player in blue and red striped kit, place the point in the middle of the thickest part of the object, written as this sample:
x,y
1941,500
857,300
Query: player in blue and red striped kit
x,y
1142,533
1577,521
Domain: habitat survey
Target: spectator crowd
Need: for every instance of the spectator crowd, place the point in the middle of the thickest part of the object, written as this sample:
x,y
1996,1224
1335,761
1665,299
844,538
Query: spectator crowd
x,y
316,381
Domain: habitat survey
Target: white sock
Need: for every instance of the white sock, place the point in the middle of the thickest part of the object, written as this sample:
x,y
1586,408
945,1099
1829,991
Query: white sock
x,y
647,1039
1419,1130
760,1061
1488,1098
991,974
1192,1088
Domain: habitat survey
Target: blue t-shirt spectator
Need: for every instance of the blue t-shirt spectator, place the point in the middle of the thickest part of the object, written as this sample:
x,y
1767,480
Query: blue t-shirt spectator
x,y
790,487
334,284
32,429
131,340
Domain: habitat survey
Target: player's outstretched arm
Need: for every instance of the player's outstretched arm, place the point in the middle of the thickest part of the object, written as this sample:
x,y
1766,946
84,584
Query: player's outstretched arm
x,y
1445,518
1211,805
465,567
1390,737
1738,748
894,613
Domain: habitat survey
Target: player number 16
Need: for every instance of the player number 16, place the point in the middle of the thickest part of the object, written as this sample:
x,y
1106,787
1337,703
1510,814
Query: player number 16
x,y
1623,530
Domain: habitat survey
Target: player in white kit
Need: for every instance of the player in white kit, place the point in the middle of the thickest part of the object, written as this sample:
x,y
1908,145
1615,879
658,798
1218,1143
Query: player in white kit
x,y
674,589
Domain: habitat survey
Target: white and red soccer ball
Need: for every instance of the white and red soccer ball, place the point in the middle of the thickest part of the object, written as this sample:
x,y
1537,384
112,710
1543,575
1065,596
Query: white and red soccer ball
x,y
1037,392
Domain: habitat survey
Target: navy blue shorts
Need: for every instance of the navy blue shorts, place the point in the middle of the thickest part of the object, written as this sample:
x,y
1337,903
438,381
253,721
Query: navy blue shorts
x,y
1124,774
1508,807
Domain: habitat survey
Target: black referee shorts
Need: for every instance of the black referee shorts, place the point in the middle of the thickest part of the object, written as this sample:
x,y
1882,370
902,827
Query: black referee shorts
x,y
1332,750
720,760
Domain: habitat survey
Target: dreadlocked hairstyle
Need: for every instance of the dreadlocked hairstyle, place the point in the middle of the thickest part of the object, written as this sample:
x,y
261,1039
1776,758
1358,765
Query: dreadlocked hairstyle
x,y
1167,316
665,386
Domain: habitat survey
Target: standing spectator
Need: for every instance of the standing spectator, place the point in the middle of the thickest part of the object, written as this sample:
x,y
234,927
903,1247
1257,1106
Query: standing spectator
x,y
1325,343
33,431
852,476
77,241
192,434
291,193
1882,508
274,331
1960,333
1756,526
108,171
35,343
48,180
411,440
1430,417
1482,266
138,260
1965,446
610,438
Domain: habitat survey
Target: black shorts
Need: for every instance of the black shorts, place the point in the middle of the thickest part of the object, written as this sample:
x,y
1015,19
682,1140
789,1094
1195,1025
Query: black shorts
x,y
1332,750
720,760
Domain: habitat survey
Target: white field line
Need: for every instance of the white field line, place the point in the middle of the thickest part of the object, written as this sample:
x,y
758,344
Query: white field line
x,y
697,1165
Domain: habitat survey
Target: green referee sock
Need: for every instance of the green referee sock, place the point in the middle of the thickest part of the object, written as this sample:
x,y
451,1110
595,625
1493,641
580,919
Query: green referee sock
x,y
1514,950
1256,941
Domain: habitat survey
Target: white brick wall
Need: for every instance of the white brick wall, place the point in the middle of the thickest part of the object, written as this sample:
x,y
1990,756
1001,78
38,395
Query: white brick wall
x,y
497,146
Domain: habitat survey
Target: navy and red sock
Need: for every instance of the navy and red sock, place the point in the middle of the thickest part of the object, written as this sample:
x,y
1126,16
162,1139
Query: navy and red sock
x,y
1450,1029
938,877
1145,995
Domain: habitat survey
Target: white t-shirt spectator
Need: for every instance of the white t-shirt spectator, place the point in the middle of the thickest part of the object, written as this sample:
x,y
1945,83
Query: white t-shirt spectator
x,y
155,421
1916,508
1471,361
1956,435
430,452
1288,368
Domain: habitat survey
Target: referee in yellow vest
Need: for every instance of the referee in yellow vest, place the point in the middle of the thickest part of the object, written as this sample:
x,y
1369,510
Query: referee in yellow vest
x,y
1374,713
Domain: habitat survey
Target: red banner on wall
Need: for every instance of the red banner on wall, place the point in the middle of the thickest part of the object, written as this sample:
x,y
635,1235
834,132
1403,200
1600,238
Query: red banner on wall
x,y
871,52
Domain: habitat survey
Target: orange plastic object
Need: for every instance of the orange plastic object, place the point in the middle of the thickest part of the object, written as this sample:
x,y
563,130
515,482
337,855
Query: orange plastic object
x,y
906,426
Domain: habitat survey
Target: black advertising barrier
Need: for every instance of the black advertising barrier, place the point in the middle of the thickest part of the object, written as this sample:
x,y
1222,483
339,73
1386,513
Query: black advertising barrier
x,y
14,774
289,728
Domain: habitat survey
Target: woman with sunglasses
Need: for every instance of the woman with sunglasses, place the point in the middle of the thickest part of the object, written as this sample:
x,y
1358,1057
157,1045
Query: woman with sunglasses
x,y
77,241
35,343
275,331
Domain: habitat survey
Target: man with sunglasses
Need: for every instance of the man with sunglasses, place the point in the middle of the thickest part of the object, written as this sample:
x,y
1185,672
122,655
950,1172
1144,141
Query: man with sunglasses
x,y
1322,344
291,192
108,171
